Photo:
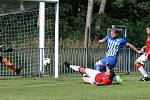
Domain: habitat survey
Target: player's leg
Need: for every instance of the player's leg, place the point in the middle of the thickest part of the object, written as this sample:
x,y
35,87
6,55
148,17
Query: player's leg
x,y
75,67
7,62
106,61
111,64
87,80
116,77
98,64
90,73
139,63
90,78
101,64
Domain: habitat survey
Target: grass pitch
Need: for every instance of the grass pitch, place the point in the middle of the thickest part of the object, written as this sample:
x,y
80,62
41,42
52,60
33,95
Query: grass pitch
x,y
71,87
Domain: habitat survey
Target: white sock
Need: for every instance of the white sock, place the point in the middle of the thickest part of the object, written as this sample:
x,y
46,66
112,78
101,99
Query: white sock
x,y
141,69
74,67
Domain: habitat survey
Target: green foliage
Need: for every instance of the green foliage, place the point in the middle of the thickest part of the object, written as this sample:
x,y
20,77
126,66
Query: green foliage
x,y
132,13
97,2
131,9
119,3
100,24
135,33
72,21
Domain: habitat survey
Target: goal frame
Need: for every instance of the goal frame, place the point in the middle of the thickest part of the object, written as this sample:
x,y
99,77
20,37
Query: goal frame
x,y
42,30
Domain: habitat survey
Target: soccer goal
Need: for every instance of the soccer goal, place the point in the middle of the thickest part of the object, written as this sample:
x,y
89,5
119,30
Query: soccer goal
x,y
30,27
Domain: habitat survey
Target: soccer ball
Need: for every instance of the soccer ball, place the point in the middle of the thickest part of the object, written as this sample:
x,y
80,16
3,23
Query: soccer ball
x,y
46,61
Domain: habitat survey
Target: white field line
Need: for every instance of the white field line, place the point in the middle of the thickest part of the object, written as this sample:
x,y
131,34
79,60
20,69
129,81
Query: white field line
x,y
48,84
38,85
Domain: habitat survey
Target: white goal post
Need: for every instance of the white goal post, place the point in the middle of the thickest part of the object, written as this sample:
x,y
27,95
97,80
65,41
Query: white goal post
x,y
41,31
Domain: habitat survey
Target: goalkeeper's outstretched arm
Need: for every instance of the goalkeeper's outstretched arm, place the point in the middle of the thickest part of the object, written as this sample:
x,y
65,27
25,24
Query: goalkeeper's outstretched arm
x,y
8,50
2,49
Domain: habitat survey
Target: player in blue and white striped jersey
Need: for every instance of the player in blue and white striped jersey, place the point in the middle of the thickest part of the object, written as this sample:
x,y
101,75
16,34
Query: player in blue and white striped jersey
x,y
114,43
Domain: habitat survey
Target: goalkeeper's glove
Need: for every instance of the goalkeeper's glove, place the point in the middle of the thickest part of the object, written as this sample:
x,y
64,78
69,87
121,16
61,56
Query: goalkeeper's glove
x,y
1,48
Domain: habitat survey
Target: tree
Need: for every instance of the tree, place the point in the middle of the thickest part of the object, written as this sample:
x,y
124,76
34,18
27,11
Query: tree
x,y
102,6
87,39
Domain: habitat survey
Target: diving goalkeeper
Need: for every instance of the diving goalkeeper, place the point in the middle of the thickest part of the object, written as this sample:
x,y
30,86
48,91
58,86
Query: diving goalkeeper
x,y
6,61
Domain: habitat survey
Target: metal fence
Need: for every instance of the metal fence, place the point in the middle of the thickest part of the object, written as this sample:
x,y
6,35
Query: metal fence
x,y
78,56
28,59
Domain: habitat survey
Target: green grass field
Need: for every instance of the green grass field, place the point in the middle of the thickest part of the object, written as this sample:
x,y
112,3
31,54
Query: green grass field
x,y
70,87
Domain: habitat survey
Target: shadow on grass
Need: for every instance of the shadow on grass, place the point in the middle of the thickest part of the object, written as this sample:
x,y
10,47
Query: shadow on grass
x,y
114,83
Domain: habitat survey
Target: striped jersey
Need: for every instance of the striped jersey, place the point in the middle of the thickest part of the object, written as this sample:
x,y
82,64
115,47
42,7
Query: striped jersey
x,y
113,45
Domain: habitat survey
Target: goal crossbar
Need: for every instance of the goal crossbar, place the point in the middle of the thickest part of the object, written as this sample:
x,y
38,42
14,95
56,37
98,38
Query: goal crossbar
x,y
42,0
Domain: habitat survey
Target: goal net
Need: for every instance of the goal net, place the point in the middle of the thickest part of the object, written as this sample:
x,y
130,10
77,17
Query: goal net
x,y
20,28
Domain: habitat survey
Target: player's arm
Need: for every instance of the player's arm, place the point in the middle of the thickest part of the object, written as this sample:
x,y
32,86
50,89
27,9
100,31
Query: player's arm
x,y
101,84
3,49
101,41
87,80
8,50
132,47
107,68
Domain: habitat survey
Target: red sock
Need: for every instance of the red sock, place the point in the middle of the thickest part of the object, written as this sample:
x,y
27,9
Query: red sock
x,y
139,65
79,69
9,64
